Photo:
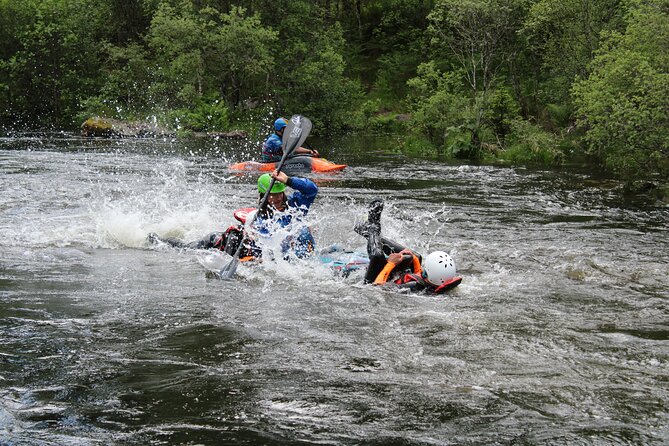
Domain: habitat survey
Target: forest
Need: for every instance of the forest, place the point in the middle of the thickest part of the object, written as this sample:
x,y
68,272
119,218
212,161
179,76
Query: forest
x,y
512,81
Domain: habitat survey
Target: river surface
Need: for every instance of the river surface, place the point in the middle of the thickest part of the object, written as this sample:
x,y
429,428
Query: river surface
x,y
558,334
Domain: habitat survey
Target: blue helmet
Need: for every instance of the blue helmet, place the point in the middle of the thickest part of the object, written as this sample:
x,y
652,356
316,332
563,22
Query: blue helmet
x,y
279,124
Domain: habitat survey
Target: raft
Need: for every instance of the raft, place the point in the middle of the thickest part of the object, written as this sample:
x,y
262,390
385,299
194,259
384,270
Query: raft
x,y
293,165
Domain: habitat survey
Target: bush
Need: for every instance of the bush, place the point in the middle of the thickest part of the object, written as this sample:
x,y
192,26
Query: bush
x,y
530,144
210,114
623,104
385,123
365,113
418,145
503,110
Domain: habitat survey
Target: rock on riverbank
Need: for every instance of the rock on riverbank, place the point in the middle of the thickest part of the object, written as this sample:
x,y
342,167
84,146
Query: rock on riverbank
x,y
114,128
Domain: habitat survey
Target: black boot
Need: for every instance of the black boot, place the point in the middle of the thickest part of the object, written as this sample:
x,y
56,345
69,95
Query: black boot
x,y
373,228
373,218
375,209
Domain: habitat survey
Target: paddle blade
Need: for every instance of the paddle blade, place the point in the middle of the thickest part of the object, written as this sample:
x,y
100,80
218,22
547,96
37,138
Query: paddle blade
x,y
295,134
306,129
229,270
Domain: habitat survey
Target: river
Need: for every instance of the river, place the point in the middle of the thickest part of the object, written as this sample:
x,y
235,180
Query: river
x,y
556,336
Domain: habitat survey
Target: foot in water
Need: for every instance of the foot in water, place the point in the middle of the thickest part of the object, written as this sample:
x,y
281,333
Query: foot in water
x,y
374,245
373,222
375,209
371,229
155,239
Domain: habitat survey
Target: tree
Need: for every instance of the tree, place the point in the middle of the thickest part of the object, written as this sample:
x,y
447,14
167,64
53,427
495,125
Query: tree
x,y
57,62
440,108
245,50
563,36
396,44
318,86
203,51
623,103
478,37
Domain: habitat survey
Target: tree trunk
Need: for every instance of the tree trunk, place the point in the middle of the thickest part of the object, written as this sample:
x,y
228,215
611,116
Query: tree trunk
x,y
358,15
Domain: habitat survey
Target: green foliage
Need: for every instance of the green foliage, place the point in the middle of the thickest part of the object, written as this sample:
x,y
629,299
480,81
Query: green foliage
x,y
191,54
318,86
386,123
530,144
209,114
458,142
53,59
563,35
245,48
491,68
398,36
368,109
479,38
395,69
442,111
415,144
177,40
624,101
503,110
128,84
559,115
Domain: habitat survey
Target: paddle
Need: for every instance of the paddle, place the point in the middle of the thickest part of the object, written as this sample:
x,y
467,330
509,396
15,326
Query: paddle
x,y
295,133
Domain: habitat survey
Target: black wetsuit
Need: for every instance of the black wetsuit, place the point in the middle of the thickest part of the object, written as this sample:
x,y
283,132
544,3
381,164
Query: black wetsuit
x,y
378,248
227,241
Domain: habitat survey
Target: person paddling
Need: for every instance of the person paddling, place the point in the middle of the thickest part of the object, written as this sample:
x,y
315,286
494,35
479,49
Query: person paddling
x,y
272,150
280,211
286,211
390,262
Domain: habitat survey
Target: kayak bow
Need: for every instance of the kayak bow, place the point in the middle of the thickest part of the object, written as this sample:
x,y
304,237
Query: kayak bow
x,y
293,165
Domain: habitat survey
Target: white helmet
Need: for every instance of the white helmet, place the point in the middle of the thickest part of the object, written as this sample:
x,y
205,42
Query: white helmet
x,y
439,267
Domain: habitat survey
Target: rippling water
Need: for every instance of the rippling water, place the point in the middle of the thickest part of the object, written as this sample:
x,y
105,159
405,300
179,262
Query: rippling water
x,y
557,335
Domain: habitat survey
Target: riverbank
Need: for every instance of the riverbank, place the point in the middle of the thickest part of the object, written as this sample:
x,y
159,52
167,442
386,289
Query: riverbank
x,y
115,128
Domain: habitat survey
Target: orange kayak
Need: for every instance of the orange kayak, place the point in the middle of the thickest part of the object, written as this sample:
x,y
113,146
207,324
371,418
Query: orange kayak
x,y
295,164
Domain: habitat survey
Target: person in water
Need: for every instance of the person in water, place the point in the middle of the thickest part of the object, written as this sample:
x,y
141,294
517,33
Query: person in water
x,y
390,262
271,148
280,211
286,211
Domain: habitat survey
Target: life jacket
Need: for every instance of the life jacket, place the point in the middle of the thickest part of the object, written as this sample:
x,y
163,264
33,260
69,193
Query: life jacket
x,y
229,242
412,265
302,242
416,282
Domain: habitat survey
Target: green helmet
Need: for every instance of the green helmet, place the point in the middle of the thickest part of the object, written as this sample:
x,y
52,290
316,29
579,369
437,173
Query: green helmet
x,y
263,184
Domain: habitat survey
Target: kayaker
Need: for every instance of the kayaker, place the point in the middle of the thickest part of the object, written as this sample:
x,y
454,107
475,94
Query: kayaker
x,y
280,212
390,262
286,211
271,148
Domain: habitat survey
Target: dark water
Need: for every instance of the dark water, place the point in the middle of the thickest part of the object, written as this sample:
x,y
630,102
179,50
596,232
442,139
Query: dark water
x,y
558,334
